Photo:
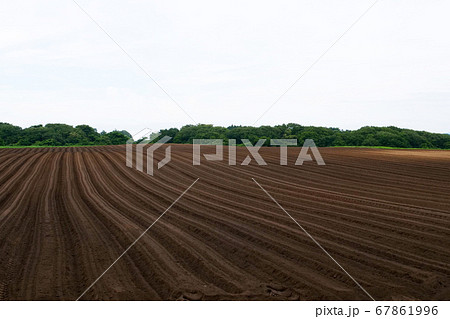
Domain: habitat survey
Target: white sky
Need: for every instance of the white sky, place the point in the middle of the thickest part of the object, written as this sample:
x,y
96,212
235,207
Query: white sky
x,y
225,62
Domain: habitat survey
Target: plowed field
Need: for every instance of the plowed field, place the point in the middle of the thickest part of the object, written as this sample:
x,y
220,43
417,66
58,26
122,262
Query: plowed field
x,y
66,214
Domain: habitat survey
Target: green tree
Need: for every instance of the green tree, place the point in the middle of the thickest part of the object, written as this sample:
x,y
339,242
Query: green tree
x,y
90,133
116,138
9,134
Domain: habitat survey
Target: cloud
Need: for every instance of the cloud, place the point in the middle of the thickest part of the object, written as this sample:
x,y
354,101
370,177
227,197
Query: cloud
x,y
225,63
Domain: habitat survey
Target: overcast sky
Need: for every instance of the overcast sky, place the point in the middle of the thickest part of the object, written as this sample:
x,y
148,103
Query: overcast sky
x,y
225,62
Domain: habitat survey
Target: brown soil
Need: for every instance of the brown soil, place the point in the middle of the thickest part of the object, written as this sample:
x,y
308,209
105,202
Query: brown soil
x,y
67,213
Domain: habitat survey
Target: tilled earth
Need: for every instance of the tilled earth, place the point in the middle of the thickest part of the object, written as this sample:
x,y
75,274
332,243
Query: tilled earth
x,y
66,214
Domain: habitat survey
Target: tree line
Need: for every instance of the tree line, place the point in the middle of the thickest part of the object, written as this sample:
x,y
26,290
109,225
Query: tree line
x,y
58,135
323,136
67,135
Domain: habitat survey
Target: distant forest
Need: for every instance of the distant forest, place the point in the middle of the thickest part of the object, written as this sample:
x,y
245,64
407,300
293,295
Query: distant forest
x,y
67,135
58,135
323,136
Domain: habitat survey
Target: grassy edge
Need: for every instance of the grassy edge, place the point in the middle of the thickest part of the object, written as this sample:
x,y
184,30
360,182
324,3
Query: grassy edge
x,y
393,148
47,146
370,147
